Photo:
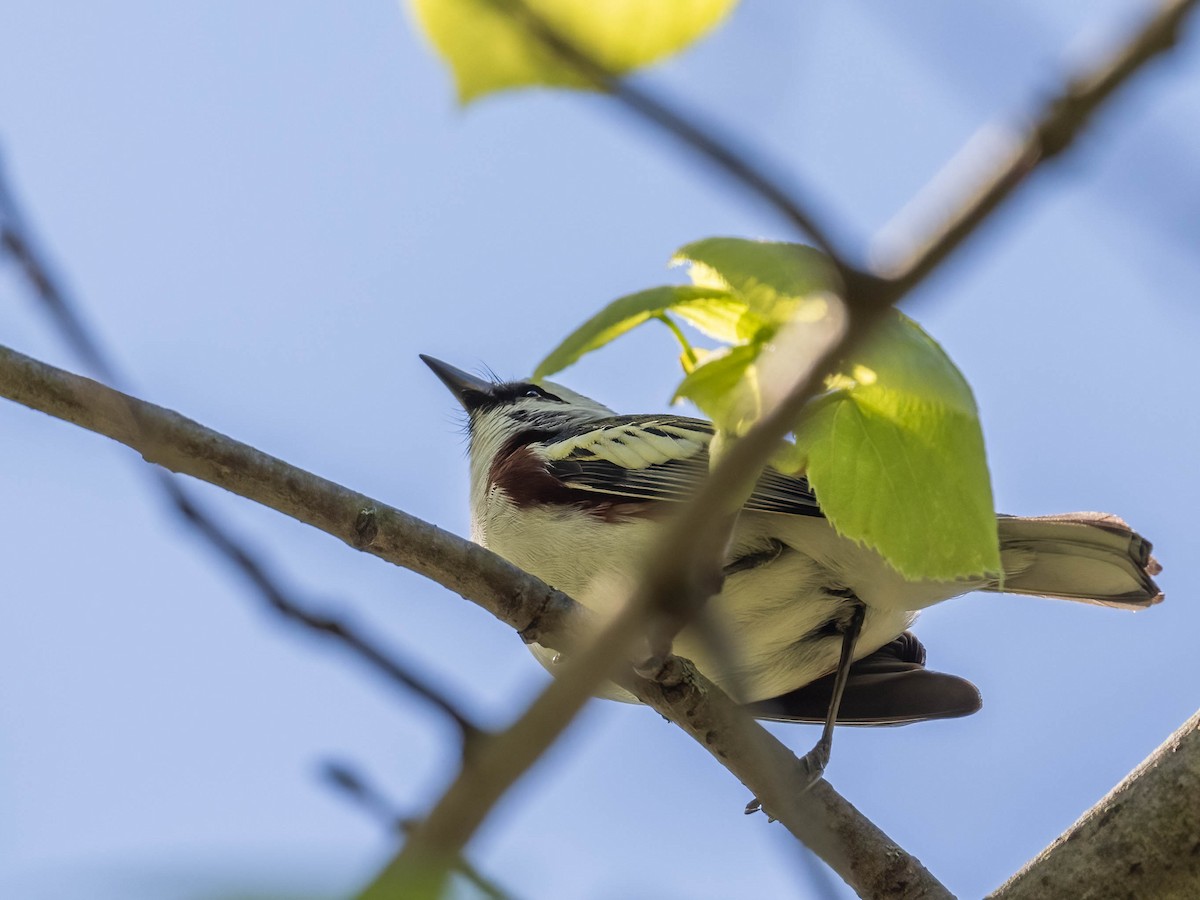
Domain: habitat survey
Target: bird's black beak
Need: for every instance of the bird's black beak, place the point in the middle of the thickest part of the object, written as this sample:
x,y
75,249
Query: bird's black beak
x,y
470,391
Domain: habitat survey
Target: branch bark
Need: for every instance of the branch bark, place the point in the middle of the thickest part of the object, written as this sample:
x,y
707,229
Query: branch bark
x,y
849,843
1141,840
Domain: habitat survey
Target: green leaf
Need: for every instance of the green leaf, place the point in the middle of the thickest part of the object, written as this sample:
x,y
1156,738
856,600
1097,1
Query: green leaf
x,y
623,314
767,285
725,388
893,448
721,316
777,281
488,49
895,453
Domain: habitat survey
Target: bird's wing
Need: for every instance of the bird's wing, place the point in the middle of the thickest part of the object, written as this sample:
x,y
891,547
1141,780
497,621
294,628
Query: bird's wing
x,y
659,458
889,687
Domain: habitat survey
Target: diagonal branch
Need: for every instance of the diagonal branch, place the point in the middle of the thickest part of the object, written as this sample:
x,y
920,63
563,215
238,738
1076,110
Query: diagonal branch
x,y
357,642
688,556
849,843
353,786
181,445
705,140
1142,840
17,241
1055,129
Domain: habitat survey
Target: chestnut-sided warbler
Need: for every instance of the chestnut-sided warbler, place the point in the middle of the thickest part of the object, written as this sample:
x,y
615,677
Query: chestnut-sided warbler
x,y
574,493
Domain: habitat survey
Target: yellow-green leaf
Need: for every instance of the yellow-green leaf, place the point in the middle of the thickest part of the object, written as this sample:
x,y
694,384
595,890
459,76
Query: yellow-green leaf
x,y
725,388
620,316
776,280
895,453
721,316
893,447
489,49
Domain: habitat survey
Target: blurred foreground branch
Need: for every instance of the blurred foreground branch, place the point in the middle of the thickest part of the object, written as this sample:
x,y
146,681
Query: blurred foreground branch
x,y
687,569
738,167
355,787
1051,132
849,843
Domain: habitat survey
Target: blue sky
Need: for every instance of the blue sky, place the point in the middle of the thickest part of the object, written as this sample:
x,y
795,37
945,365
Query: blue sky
x,y
269,209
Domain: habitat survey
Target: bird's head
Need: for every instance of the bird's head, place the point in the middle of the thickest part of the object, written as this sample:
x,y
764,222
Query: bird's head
x,y
499,411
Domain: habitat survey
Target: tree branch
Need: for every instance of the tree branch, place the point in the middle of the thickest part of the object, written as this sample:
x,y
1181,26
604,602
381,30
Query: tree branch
x,y
1142,840
706,140
357,642
849,843
1055,129
181,445
672,591
353,786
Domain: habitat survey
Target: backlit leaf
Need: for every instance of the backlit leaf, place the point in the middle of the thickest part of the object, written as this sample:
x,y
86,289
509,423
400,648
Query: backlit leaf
x,y
620,316
895,453
723,386
489,49
776,280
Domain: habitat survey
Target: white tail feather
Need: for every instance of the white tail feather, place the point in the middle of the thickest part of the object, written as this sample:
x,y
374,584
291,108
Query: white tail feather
x,y
1092,557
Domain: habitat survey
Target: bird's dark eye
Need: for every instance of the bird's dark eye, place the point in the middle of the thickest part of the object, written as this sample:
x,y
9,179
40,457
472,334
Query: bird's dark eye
x,y
513,391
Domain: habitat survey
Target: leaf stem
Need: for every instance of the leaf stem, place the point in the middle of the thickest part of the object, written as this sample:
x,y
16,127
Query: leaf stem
x,y
689,352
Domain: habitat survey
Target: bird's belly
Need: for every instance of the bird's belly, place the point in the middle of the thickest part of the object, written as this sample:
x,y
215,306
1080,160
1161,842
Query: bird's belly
x,y
592,560
783,627
777,620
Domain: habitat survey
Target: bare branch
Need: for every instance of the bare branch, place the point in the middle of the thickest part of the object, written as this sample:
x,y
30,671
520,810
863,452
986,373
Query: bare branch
x,y
851,845
866,858
1142,840
1054,130
353,786
181,445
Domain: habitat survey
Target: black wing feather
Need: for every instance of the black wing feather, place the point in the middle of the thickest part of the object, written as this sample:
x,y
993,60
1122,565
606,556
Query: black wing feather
x,y
675,480
889,687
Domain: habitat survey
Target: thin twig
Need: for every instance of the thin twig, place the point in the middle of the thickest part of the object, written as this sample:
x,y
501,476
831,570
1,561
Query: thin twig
x,y
848,842
362,647
16,238
706,140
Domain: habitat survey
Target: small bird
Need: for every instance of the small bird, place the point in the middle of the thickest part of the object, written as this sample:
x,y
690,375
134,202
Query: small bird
x,y
817,625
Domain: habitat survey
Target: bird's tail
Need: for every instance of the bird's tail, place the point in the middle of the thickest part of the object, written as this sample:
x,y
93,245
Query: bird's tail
x,y
1092,557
